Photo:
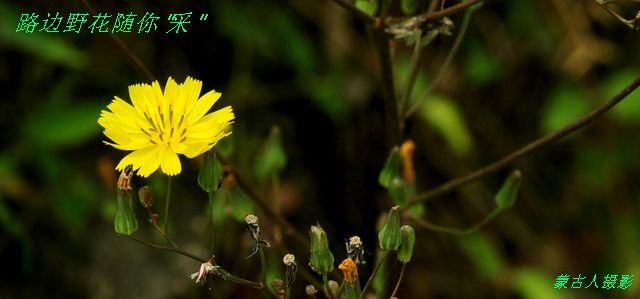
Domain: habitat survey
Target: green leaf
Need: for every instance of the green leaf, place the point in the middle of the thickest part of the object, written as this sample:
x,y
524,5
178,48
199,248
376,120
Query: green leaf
x,y
506,196
47,46
534,284
240,204
483,254
409,7
53,127
482,67
627,111
369,7
565,105
447,120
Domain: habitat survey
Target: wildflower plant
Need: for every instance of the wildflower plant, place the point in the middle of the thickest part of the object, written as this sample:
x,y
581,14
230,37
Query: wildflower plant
x,y
161,124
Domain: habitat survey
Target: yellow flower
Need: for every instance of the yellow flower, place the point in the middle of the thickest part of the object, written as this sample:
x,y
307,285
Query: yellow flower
x,y
159,126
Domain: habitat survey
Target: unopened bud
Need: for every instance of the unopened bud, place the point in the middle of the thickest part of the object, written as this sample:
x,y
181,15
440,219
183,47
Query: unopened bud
x,y
210,176
391,168
145,195
321,259
389,235
125,221
506,196
408,241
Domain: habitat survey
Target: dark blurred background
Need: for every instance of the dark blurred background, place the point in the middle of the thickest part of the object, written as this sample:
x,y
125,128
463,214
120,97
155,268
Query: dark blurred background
x,y
525,68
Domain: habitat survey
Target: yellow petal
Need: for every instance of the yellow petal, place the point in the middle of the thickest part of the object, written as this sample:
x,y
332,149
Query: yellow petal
x,y
152,164
170,163
191,92
212,124
196,149
202,106
138,158
138,93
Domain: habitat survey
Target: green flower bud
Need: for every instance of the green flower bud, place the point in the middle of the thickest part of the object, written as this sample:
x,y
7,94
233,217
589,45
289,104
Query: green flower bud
x,y
321,260
391,169
408,241
389,236
125,220
210,176
506,196
145,195
272,158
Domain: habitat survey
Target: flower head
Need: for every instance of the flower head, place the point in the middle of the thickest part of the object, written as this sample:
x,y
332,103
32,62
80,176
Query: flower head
x,y
160,125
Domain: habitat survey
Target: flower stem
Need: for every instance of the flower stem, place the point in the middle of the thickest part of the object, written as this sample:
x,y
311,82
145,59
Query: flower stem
x,y
455,231
375,270
171,249
263,265
230,277
395,290
166,208
211,235
325,280
277,204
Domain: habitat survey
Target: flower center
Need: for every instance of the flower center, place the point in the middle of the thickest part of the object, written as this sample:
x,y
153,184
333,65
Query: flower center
x,y
163,130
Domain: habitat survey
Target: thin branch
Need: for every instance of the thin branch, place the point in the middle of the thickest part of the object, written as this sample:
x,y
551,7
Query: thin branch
x,y
452,10
395,290
375,270
253,195
133,59
171,249
388,91
415,66
166,208
620,18
450,230
534,145
357,12
444,67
